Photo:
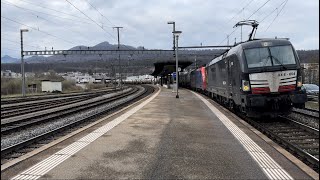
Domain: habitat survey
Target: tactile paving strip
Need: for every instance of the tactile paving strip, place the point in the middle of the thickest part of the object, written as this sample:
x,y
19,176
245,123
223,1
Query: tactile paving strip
x,y
49,163
269,166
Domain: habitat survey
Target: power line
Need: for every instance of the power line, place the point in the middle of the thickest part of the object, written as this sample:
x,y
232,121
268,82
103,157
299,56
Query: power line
x,y
100,13
277,15
241,10
16,42
51,9
90,19
73,20
246,19
228,36
37,30
272,11
258,9
45,19
244,7
28,11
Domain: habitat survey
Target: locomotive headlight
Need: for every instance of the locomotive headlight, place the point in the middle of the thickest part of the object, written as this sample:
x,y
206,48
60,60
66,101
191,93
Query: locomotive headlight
x,y
299,81
245,85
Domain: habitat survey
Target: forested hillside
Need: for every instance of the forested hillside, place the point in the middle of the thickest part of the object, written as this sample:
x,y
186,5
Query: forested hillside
x,y
308,56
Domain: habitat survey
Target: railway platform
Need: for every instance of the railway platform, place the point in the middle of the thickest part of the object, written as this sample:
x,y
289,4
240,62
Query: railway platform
x,y
164,138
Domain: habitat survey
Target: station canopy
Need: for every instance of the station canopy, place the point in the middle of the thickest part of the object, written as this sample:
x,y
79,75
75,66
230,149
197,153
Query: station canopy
x,y
163,68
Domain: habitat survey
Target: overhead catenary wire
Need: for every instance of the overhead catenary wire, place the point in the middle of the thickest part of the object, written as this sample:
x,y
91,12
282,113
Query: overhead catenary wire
x,y
73,20
16,42
241,10
100,13
277,15
258,9
37,30
230,20
52,9
104,17
245,19
272,11
90,19
40,17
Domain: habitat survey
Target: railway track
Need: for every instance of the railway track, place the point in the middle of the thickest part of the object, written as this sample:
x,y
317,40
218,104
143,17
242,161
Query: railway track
x,y
5,101
26,145
301,140
16,109
312,110
297,137
311,113
9,125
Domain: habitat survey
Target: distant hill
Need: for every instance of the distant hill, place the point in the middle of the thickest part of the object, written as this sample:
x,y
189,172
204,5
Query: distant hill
x,y
8,59
80,58
308,56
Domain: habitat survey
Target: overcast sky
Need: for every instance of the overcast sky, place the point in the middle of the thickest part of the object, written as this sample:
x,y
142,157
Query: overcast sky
x,y
144,23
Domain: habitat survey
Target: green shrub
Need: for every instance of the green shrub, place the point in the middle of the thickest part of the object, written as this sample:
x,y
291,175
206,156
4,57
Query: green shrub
x,y
68,86
90,86
10,86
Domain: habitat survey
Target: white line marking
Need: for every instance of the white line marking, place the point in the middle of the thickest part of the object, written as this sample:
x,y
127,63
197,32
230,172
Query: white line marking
x,y
271,168
54,160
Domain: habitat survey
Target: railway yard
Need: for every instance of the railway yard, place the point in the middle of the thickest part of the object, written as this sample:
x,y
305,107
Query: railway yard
x,y
161,90
27,124
32,127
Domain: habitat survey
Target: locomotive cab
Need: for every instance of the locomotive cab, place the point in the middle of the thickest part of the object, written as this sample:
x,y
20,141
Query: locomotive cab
x,y
271,78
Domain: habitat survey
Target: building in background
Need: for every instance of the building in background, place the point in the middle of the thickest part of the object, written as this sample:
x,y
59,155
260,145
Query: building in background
x,y
310,73
10,74
51,86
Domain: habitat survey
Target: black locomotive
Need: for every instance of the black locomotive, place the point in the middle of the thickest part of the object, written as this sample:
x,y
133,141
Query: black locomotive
x,y
258,77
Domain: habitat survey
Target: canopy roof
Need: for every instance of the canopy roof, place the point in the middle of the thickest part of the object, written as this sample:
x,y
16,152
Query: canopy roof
x,y
163,68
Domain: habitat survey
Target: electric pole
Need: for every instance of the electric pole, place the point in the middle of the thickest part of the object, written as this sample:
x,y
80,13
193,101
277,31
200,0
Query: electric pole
x,y
22,64
120,78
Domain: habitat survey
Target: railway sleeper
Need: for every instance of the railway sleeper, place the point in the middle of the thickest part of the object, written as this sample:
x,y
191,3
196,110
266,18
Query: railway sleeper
x,y
300,134
305,138
278,127
286,130
303,141
310,146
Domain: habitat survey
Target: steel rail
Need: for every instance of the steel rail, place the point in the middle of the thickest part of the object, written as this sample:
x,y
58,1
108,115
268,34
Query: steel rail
x,y
32,140
306,114
14,125
12,100
28,108
283,141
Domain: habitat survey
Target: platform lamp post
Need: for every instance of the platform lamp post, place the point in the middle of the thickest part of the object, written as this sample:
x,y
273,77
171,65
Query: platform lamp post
x,y
22,64
174,29
174,42
177,34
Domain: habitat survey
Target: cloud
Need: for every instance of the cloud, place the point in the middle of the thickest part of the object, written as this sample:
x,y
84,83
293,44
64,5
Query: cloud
x,y
145,22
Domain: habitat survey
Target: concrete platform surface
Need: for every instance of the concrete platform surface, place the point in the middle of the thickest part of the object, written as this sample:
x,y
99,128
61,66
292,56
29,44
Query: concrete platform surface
x,y
173,138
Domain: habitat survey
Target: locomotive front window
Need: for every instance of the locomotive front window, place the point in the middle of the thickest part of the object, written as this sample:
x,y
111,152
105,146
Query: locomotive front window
x,y
269,56
282,55
257,57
